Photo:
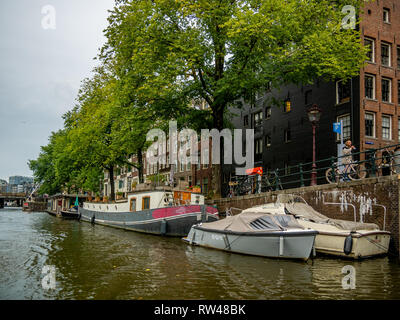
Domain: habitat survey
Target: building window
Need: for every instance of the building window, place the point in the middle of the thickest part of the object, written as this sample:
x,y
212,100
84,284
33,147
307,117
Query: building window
x,y
145,203
190,181
398,129
287,135
287,105
385,54
398,91
371,53
398,57
246,120
386,127
258,118
346,126
205,186
342,91
370,125
268,112
386,90
308,97
132,206
386,15
120,184
267,141
370,86
258,146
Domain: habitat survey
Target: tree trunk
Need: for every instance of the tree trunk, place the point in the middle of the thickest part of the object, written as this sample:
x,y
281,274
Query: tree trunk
x,y
217,172
140,169
112,186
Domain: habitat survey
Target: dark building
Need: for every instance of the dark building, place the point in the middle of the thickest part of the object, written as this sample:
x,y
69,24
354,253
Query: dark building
x,y
367,104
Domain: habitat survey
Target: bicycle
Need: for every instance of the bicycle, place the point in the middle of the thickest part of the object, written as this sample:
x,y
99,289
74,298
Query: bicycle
x,y
386,162
270,182
353,171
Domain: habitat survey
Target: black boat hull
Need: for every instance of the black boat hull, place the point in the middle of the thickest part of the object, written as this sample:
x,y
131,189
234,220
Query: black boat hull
x,y
177,225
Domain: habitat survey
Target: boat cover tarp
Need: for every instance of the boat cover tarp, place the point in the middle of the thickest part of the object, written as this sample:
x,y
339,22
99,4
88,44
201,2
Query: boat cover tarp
x,y
254,222
304,210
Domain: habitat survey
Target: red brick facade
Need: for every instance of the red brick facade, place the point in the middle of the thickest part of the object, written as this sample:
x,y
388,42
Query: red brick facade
x,y
374,27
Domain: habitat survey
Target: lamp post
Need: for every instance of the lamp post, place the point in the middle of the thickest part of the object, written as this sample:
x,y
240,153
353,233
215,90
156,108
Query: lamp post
x,y
314,114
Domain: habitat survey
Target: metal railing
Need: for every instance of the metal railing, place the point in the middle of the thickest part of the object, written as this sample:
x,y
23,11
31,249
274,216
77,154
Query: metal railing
x,y
364,164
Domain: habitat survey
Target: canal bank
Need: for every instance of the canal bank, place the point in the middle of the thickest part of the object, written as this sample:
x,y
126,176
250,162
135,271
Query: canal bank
x,y
97,262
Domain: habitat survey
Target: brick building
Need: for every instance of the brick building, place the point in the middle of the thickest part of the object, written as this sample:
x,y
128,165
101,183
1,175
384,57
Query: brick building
x,y
367,104
185,175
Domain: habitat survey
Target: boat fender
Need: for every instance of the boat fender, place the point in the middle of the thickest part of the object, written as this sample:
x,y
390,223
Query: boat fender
x,y
92,219
348,244
163,227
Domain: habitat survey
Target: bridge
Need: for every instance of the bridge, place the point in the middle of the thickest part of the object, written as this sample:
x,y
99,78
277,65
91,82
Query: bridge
x,y
6,197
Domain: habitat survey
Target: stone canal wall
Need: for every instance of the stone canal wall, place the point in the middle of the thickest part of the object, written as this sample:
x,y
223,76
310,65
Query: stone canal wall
x,y
374,200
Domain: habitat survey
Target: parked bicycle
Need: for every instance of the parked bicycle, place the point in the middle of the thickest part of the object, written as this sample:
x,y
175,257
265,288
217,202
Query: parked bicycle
x,y
385,164
352,171
270,182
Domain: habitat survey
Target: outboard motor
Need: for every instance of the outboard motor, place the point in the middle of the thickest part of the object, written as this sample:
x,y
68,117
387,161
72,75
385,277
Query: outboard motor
x,y
348,244
92,219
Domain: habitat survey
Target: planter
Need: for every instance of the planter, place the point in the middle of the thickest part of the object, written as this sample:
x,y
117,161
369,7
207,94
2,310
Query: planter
x,y
119,197
196,189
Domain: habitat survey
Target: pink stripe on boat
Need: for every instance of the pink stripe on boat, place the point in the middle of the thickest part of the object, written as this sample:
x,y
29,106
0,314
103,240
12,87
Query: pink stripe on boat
x,y
174,211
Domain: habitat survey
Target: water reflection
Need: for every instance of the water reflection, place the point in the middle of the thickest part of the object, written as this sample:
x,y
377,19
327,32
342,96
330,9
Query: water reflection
x,y
96,262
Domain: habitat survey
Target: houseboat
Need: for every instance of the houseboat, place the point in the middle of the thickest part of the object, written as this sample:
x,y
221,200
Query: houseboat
x,y
160,211
62,205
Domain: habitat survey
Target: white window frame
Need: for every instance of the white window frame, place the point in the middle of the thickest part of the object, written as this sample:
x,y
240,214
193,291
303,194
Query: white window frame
x,y
389,51
372,48
373,86
342,117
398,128
268,112
258,146
386,15
374,124
337,92
268,145
390,126
390,89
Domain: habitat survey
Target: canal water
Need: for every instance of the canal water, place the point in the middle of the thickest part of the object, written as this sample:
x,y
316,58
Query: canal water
x,y
96,262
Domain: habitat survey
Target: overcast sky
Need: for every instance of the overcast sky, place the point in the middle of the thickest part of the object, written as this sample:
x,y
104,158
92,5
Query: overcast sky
x,y
41,70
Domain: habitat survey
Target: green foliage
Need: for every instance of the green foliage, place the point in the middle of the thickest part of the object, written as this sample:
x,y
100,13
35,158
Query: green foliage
x,y
162,56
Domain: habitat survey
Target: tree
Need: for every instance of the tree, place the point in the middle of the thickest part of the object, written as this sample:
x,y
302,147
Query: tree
x,y
223,50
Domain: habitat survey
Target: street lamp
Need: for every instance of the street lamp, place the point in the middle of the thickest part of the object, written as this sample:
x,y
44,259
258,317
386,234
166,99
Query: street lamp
x,y
314,114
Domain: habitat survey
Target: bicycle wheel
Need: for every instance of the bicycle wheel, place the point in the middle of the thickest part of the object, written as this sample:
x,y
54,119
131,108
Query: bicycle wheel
x,y
361,171
331,177
352,173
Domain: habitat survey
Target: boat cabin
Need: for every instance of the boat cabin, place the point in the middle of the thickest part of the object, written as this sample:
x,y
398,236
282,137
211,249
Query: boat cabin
x,y
145,200
60,202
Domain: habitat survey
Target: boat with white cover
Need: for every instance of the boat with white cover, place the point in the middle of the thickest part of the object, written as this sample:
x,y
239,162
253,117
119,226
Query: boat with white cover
x,y
160,211
255,233
350,239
